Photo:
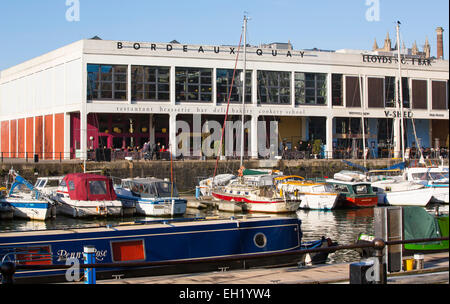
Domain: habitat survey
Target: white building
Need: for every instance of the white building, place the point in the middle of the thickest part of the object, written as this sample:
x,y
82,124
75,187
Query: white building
x,y
97,93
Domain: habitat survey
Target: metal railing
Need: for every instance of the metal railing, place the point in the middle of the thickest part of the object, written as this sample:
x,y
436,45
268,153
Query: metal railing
x,y
119,154
8,269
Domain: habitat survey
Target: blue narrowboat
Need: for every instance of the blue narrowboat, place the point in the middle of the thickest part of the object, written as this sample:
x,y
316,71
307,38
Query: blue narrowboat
x,y
157,241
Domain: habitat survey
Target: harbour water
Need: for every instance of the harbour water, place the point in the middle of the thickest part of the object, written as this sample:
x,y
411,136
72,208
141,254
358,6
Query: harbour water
x,y
342,225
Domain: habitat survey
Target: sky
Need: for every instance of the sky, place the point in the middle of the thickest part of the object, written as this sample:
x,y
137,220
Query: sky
x,y
29,28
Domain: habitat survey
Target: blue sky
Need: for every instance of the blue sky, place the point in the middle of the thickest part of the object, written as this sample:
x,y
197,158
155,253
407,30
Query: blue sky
x,y
31,28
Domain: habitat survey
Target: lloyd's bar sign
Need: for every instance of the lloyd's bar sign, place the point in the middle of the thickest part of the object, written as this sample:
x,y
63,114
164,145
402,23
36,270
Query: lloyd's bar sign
x,y
394,60
232,50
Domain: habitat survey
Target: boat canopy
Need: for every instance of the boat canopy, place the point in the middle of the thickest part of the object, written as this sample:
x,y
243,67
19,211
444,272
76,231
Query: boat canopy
x,y
150,187
89,187
253,172
419,224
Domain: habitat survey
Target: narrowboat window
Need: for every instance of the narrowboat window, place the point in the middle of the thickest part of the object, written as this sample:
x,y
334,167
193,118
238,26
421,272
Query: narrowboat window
x,y
123,251
260,240
97,187
34,256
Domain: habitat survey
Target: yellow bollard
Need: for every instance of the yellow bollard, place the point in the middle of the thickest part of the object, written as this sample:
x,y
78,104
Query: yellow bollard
x,y
408,264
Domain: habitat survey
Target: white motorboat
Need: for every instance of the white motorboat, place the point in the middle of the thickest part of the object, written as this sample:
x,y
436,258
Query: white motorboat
x,y
31,204
82,195
312,195
396,192
433,177
48,185
152,196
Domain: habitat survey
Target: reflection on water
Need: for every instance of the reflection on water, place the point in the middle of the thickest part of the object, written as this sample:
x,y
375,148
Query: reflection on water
x,y
342,226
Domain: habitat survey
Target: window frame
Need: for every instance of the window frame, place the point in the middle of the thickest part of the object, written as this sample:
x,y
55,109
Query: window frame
x,y
95,85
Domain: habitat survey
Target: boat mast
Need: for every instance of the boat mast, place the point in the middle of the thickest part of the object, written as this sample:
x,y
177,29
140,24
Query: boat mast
x,y
243,90
400,92
362,120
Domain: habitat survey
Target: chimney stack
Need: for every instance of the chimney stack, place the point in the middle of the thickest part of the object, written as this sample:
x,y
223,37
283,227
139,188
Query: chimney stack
x,y
440,43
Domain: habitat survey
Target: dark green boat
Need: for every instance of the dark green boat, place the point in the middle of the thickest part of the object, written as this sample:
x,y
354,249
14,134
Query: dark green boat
x,y
419,224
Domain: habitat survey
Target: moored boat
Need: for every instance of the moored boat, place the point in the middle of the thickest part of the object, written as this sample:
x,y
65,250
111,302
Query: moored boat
x,y
396,192
354,194
312,195
436,177
162,241
258,193
81,195
151,196
31,205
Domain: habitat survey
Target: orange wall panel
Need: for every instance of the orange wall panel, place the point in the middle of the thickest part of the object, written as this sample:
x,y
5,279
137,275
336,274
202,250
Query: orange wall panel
x,y
13,137
30,136
21,138
5,138
38,136
59,135
48,139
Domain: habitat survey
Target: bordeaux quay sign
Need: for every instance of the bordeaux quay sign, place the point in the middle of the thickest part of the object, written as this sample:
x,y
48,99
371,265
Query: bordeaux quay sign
x,y
232,50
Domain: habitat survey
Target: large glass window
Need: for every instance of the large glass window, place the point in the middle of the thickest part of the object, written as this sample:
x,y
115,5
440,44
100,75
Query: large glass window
x,y
337,89
310,88
405,90
150,83
107,82
274,87
390,89
224,78
193,84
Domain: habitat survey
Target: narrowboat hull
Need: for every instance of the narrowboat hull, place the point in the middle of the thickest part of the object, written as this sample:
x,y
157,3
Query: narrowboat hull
x,y
163,241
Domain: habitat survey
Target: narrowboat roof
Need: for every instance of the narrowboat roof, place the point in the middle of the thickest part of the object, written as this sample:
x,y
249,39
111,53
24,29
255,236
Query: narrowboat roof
x,y
138,225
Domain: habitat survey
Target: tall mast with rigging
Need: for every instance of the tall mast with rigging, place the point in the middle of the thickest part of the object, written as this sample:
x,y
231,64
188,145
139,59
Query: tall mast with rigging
x,y
244,72
399,94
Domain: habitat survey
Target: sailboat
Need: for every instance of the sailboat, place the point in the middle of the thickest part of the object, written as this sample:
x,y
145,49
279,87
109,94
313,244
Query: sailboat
x,y
398,190
255,189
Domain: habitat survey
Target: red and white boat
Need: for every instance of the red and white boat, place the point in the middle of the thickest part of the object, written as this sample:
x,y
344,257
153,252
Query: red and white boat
x,y
87,195
258,194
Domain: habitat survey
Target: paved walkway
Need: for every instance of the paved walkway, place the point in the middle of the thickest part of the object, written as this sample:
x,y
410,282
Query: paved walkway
x,y
320,274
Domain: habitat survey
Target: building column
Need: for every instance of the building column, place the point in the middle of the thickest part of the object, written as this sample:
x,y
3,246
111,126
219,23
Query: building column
x,y
329,137
254,137
151,130
172,134
83,133
67,132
